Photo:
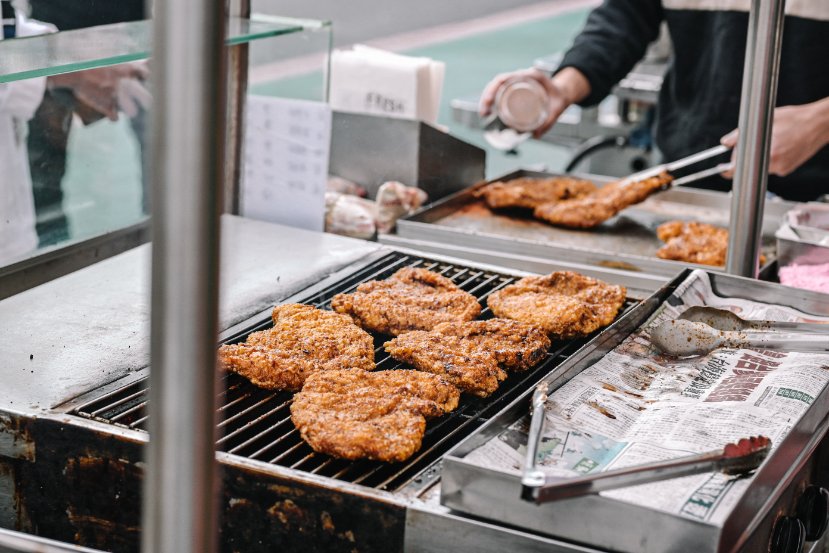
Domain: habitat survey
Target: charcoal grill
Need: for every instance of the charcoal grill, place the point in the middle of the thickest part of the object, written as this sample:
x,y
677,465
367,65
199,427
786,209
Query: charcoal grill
x,y
255,423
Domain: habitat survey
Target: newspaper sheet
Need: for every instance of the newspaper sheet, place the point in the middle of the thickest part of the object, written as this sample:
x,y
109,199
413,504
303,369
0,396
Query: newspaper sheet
x,y
635,406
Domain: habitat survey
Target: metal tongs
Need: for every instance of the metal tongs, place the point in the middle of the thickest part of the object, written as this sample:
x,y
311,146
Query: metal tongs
x,y
684,162
734,459
702,331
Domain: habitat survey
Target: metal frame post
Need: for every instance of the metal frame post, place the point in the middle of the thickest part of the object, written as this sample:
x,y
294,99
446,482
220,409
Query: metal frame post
x,y
759,94
188,145
238,61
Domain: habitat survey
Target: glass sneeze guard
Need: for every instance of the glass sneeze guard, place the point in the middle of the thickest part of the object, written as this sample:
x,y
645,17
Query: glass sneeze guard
x,y
67,51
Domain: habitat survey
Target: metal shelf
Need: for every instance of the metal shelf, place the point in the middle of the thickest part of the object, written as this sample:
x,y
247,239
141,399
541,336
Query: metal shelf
x,y
67,51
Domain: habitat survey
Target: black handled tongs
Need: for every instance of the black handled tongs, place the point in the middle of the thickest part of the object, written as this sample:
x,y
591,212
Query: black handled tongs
x,y
734,459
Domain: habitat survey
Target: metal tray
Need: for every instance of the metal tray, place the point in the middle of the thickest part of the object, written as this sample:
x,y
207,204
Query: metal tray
x,y
804,236
627,242
613,525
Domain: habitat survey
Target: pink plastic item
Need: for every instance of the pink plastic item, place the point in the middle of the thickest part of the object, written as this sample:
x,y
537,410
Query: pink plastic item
x,y
807,277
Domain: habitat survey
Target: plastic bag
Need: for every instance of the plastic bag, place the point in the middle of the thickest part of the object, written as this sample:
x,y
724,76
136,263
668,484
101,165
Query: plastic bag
x,y
345,186
394,200
349,215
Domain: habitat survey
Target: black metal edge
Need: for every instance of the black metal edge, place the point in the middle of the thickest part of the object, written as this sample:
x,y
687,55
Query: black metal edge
x,y
62,260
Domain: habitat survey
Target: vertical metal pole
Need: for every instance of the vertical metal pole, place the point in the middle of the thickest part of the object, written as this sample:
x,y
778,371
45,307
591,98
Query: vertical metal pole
x,y
188,143
762,68
238,58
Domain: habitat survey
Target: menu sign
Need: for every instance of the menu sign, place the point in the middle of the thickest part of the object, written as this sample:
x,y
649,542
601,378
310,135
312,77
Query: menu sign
x,y
285,163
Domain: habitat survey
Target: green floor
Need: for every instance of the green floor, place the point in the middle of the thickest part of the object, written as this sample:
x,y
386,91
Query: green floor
x,y
102,182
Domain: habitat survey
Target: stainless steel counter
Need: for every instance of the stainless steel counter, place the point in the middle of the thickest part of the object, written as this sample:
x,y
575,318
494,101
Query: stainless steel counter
x,y
65,337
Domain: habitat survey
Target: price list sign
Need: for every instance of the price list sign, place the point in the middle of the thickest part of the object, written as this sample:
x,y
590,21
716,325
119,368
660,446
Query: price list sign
x,y
286,161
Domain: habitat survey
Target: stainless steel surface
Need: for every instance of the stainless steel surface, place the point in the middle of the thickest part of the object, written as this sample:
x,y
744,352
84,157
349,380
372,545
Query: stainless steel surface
x,y
18,542
61,260
432,528
760,74
722,319
678,164
180,492
91,327
627,242
557,489
803,239
612,525
371,150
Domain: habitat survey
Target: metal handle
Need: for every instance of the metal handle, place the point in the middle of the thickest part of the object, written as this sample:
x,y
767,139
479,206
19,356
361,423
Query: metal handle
x,y
736,458
556,489
533,477
794,327
696,158
792,341
704,174
678,164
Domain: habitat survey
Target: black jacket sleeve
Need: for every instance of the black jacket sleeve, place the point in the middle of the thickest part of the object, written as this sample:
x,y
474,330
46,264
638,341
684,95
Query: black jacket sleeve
x,y
613,40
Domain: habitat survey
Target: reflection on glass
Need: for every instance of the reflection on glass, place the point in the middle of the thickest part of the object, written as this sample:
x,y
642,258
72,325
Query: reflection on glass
x,y
85,146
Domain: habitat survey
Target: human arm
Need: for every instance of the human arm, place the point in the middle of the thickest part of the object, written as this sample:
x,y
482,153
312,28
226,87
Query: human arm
x,y
566,87
99,88
797,134
614,39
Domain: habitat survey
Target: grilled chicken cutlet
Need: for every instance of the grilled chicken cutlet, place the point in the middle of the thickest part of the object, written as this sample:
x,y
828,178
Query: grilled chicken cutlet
x,y
303,340
694,242
529,193
460,361
380,415
410,299
594,209
564,304
516,346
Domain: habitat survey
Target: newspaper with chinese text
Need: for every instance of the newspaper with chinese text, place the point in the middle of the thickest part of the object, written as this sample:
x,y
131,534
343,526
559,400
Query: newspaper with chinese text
x,y
635,406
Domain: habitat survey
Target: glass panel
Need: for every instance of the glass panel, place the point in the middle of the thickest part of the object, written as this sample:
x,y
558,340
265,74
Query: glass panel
x,y
66,51
86,161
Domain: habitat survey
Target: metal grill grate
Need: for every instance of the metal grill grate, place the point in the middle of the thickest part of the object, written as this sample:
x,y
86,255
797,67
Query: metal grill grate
x,y
256,423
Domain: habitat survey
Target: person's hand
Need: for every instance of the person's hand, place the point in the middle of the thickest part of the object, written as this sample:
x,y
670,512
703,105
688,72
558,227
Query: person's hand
x,y
797,133
98,88
565,88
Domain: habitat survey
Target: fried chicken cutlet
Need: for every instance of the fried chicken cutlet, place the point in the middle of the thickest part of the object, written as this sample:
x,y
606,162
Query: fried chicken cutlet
x,y
529,193
564,304
303,340
594,209
472,355
694,242
460,361
380,415
410,299
516,346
